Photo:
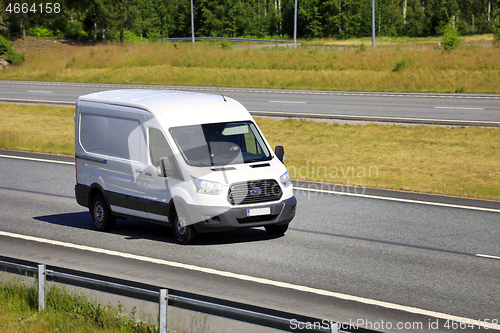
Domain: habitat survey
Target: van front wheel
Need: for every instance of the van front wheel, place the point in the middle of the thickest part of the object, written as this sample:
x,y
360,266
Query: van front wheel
x,y
101,215
184,233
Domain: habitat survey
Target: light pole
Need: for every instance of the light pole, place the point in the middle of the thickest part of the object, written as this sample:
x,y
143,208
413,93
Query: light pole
x,y
373,23
192,21
295,27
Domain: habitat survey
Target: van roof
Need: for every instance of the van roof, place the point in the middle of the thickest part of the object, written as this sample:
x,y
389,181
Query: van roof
x,y
179,108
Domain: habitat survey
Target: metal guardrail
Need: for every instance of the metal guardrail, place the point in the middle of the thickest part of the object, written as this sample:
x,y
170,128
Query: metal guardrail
x,y
230,39
169,297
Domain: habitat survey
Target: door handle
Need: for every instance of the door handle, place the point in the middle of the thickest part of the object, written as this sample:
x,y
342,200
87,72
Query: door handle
x,y
149,174
138,171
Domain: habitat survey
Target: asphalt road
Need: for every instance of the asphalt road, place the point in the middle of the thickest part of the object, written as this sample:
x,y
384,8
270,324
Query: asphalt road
x,y
451,109
345,258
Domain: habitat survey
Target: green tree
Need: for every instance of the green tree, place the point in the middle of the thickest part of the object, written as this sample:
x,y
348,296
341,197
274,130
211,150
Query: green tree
x,y
351,18
212,14
389,20
232,18
442,12
451,36
240,19
310,18
331,19
97,16
496,32
19,19
416,20
122,14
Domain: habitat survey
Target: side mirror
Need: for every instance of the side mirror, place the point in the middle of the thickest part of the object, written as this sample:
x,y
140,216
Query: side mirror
x,y
279,151
169,168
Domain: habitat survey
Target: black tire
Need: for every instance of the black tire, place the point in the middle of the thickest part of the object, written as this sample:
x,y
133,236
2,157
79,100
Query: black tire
x,y
276,229
183,232
101,215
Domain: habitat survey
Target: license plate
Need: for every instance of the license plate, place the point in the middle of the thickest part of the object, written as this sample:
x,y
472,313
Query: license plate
x,y
259,211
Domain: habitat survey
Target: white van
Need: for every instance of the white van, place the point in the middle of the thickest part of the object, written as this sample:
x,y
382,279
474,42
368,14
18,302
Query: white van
x,y
197,162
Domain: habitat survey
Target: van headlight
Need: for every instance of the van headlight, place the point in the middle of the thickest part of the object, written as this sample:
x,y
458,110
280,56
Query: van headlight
x,y
285,179
207,187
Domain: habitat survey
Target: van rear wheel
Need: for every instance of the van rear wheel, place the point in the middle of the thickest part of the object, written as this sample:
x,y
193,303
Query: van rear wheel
x,y
101,215
276,229
183,232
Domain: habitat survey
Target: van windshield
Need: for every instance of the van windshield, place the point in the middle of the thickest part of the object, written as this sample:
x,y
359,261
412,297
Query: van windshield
x,y
220,143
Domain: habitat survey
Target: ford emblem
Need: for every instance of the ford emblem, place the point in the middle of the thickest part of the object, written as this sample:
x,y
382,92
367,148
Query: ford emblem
x,y
255,191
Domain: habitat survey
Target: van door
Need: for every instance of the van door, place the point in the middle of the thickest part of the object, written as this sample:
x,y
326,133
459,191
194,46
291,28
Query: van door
x,y
125,145
157,189
90,143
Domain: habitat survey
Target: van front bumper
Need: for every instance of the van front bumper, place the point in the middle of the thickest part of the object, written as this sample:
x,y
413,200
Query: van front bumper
x,y
224,218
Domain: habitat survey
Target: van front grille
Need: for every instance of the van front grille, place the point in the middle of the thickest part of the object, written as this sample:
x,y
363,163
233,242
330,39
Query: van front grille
x,y
255,191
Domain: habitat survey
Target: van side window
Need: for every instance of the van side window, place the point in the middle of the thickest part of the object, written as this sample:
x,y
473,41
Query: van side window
x,y
124,139
158,147
93,133
111,136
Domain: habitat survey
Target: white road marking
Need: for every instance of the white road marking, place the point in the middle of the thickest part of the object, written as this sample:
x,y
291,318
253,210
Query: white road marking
x,y
456,108
41,91
314,190
37,159
399,200
287,102
487,256
250,278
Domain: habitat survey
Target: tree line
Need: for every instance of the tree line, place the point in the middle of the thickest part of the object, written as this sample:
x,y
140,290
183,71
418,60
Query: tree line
x,y
152,19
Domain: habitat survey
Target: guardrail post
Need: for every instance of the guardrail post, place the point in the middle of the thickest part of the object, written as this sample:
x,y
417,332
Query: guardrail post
x,y
41,287
163,311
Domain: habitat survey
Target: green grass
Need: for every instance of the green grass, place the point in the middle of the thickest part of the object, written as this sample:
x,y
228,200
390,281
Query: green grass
x,y
391,42
65,312
41,128
428,68
457,161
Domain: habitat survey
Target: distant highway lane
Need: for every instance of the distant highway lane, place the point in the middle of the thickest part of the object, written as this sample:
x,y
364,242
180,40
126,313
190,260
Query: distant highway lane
x,y
426,108
345,257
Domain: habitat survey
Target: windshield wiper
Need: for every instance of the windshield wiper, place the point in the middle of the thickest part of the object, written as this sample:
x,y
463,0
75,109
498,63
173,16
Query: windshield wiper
x,y
200,163
254,160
